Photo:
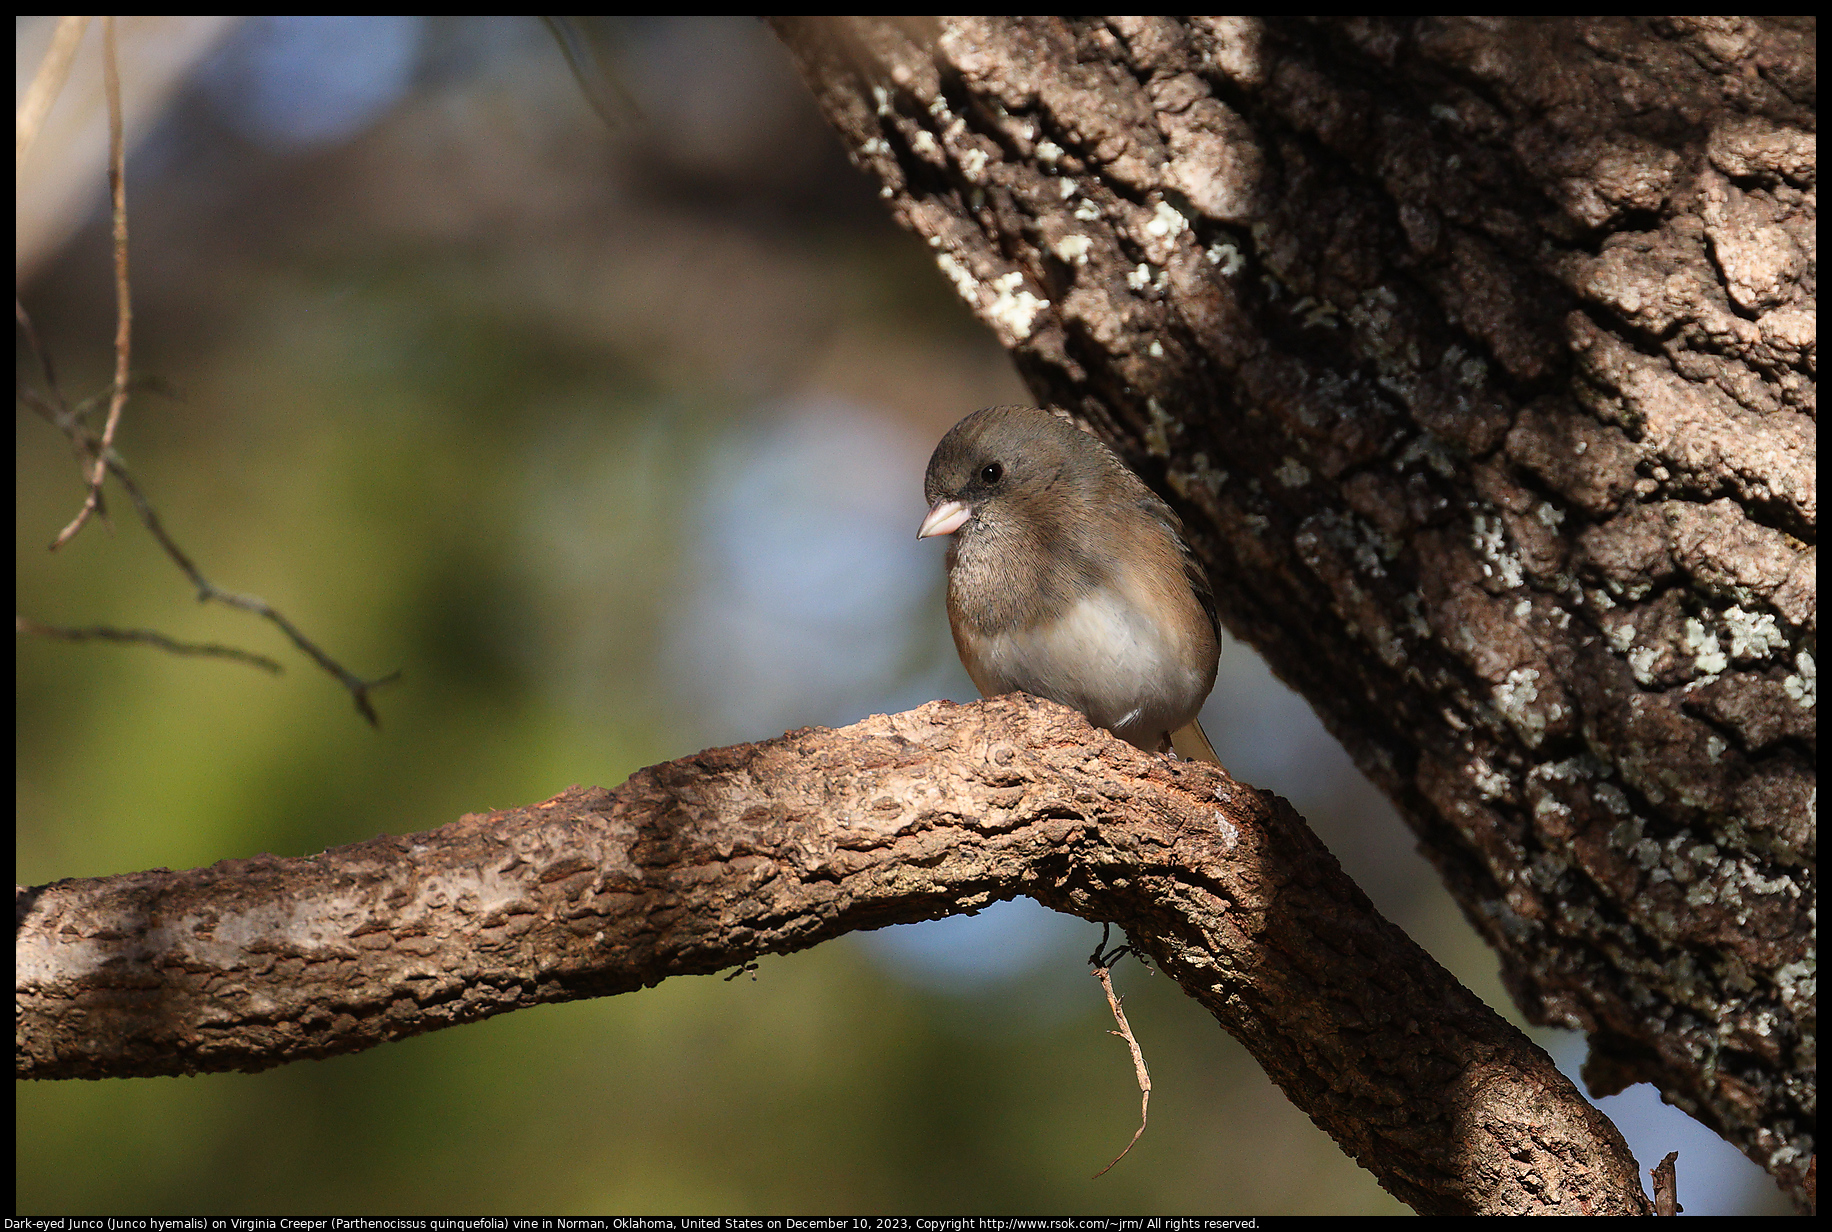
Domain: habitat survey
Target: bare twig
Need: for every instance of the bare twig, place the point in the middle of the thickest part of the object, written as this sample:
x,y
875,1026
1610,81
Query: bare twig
x,y
1666,1185
43,356
207,591
53,71
1103,974
53,407
124,311
604,94
105,633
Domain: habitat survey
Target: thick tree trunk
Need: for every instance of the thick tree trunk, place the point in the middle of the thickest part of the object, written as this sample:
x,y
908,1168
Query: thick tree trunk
x,y
1478,356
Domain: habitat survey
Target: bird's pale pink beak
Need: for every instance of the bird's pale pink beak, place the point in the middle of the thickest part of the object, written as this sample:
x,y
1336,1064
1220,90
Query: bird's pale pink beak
x,y
947,517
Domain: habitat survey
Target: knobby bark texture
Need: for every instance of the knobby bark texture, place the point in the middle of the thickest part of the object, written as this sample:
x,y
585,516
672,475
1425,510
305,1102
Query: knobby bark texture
x,y
711,861
1479,358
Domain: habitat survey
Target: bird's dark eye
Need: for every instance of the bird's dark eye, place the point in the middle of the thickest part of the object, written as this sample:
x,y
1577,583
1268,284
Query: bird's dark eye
x,y
991,473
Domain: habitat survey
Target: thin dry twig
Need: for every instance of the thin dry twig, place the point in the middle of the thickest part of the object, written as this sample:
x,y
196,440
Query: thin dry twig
x,y
1103,965
43,356
105,633
98,452
603,92
124,311
359,688
53,71
56,410
1138,1065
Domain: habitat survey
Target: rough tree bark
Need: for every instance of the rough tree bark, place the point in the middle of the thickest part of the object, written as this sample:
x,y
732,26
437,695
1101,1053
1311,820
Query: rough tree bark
x,y
714,860
1479,357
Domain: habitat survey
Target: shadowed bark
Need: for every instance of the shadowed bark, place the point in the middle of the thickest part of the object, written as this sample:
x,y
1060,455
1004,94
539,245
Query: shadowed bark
x,y
716,859
1479,358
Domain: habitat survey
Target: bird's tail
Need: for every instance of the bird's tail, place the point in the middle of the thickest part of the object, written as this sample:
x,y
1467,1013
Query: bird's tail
x,y
1192,745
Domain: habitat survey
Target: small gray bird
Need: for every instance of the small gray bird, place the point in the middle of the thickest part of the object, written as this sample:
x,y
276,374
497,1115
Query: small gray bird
x,y
1070,579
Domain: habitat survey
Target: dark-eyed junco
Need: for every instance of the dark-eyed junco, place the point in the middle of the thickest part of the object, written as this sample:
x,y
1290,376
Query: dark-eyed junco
x,y
1068,578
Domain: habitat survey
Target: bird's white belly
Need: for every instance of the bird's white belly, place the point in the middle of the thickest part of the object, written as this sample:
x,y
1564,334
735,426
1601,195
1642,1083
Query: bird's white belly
x,y
1104,658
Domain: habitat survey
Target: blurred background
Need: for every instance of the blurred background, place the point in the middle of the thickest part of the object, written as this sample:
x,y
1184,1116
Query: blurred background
x,y
610,438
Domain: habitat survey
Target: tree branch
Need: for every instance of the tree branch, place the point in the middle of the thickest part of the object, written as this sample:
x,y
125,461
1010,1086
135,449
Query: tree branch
x,y
710,861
